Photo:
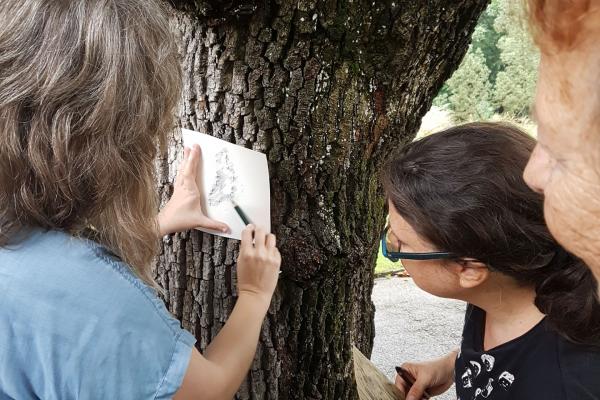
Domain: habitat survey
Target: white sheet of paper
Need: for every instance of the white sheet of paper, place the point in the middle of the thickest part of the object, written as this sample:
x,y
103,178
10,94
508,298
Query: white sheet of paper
x,y
231,172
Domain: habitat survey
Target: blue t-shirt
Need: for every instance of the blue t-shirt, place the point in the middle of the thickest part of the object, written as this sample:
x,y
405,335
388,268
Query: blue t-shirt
x,y
75,323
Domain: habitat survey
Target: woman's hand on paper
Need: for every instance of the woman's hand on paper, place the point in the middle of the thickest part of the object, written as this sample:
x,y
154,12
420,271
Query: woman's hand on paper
x,y
258,264
184,210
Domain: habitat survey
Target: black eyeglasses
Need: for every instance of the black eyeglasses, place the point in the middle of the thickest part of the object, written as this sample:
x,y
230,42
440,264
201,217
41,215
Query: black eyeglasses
x,y
392,253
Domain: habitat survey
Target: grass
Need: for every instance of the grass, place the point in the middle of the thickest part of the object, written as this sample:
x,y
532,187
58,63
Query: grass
x,y
384,265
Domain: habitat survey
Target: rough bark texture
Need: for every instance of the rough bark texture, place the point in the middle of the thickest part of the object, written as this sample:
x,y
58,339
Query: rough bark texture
x,y
327,89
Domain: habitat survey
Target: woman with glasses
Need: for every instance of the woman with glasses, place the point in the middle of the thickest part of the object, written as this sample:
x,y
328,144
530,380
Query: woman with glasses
x,y
465,225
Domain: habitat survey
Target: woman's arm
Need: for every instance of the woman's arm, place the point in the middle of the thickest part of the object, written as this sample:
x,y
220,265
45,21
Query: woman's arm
x,y
219,372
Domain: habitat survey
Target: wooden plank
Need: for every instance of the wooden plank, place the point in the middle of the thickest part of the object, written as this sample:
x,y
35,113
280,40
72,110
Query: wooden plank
x,y
371,383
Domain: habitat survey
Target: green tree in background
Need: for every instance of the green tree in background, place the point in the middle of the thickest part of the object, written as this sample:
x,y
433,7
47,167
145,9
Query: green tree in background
x,y
515,83
470,89
485,39
498,74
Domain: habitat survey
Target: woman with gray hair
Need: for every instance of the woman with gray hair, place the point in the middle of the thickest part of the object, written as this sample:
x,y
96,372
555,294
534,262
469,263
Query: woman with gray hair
x,y
88,90
565,165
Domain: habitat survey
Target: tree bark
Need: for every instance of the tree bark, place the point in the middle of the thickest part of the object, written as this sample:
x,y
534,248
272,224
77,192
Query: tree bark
x,y
328,90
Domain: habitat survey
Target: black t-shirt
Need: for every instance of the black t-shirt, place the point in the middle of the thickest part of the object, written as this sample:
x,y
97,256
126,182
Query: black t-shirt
x,y
540,365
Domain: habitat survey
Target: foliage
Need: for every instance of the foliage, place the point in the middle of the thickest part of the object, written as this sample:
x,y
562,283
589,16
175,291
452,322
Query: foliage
x,y
515,84
498,74
485,39
470,88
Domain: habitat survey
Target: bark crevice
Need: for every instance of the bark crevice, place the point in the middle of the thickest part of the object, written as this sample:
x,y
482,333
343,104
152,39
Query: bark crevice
x,y
327,89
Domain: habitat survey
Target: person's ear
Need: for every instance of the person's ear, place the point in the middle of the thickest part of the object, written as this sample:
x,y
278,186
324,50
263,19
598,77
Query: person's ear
x,y
472,273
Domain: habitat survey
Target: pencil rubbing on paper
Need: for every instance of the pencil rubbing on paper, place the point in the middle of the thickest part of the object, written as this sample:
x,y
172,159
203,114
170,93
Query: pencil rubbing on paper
x,y
226,186
232,172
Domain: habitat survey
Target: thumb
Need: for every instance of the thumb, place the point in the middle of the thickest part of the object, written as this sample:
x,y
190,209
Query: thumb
x,y
400,384
415,392
208,223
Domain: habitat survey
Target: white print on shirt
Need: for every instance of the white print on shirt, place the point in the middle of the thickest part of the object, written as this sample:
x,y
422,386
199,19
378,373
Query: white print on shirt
x,y
484,393
476,368
467,378
506,379
488,362
488,389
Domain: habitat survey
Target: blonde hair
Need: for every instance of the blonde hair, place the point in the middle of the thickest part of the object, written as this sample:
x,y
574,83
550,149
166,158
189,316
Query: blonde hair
x,y
561,24
88,90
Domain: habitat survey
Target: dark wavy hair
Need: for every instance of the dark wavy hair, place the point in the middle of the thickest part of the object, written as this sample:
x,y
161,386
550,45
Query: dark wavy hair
x,y
462,189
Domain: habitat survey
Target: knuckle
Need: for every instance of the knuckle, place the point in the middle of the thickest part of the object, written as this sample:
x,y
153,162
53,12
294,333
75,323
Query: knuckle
x,y
247,255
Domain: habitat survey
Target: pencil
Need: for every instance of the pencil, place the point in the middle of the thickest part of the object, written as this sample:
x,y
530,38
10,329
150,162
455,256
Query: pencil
x,y
241,213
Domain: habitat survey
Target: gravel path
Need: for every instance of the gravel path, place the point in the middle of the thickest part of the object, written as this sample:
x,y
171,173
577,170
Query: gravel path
x,y
412,325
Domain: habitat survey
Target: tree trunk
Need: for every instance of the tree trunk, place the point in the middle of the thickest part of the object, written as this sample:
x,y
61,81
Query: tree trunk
x,y
327,89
